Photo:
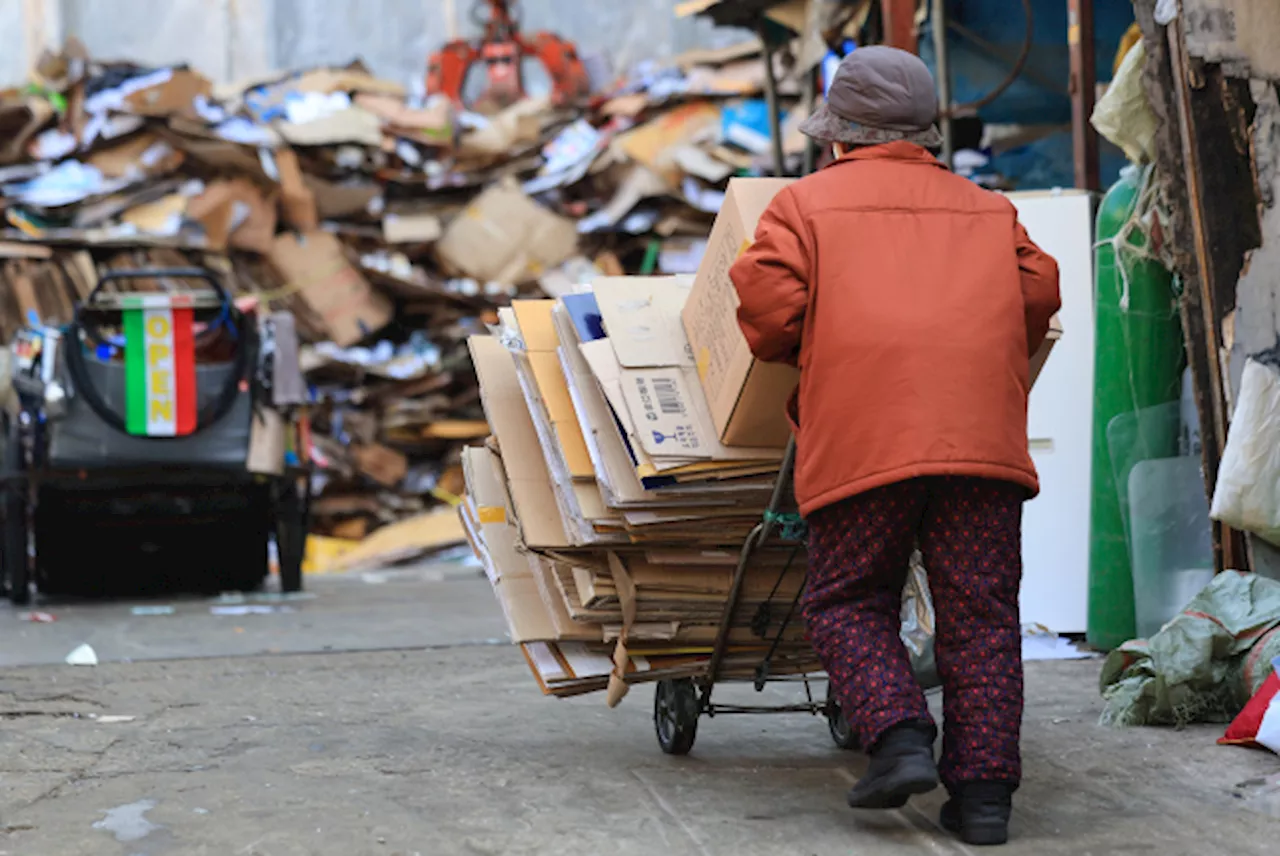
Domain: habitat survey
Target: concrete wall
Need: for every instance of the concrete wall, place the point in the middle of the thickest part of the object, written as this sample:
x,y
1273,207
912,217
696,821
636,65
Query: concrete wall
x,y
13,53
234,39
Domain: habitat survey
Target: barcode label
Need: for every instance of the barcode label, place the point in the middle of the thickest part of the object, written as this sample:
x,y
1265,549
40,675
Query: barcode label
x,y
668,396
666,421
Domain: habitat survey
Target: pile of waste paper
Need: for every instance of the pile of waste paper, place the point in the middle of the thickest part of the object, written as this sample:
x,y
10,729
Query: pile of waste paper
x,y
392,226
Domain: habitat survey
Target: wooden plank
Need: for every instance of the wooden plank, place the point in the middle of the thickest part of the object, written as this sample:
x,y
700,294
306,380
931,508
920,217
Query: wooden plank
x,y
24,292
1202,328
23,250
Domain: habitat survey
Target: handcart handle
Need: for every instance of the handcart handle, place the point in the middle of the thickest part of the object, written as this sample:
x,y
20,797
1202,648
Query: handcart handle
x,y
756,540
94,299
245,352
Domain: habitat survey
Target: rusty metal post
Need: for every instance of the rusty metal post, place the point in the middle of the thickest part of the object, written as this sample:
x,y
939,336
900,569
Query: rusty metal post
x,y
811,100
942,70
1084,92
771,96
900,24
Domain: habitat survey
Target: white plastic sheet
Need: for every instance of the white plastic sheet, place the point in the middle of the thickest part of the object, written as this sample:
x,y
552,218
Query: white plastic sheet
x,y
1247,496
917,610
1166,11
919,622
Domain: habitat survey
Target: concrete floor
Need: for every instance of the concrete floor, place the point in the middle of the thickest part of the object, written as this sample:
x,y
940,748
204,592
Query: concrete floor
x,y
450,749
394,609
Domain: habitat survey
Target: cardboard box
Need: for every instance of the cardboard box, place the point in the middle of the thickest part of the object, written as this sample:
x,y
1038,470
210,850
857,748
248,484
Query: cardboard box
x,y
486,511
20,121
747,398
647,362
296,199
504,236
532,491
1040,357
542,343
316,267
655,143
266,442
174,95
235,213
385,466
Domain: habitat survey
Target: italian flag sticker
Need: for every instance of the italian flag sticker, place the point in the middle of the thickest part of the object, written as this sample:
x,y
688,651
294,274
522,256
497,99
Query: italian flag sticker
x,y
160,372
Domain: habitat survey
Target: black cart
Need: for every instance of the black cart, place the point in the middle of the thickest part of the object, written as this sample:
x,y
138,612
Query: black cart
x,y
90,509
680,703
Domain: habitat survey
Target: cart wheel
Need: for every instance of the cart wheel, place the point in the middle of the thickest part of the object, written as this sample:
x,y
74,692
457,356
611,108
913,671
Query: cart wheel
x,y
14,562
291,538
838,724
675,715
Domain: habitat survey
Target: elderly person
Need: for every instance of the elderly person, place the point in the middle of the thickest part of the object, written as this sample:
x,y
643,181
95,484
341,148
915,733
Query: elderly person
x,y
912,301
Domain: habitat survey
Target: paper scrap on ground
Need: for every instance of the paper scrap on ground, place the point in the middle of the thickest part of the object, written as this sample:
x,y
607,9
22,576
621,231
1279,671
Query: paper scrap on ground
x,y
83,656
153,610
249,609
1041,647
128,822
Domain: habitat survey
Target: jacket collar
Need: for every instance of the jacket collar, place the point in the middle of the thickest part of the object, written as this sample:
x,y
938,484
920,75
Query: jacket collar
x,y
900,150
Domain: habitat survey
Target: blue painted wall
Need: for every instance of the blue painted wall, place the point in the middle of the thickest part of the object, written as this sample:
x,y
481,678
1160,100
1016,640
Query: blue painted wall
x,y
974,73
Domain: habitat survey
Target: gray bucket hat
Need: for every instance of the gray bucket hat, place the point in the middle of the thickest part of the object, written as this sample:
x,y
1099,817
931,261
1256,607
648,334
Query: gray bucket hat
x,y
879,95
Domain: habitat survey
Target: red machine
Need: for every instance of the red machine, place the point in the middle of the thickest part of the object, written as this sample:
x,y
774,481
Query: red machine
x,y
505,65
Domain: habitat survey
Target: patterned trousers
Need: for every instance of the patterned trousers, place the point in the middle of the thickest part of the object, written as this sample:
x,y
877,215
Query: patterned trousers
x,y
969,531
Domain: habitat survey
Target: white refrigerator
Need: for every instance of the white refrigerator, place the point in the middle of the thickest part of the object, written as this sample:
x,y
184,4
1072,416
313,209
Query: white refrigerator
x,y
1055,529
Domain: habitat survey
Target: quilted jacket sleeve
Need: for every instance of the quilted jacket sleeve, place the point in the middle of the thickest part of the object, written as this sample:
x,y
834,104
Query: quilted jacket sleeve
x,y
1040,292
772,281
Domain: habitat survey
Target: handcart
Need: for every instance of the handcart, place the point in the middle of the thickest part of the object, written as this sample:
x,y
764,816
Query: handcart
x,y
133,466
679,703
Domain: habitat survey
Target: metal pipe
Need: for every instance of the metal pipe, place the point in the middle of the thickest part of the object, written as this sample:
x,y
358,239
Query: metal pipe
x,y
771,97
811,105
1080,39
759,535
994,50
899,18
942,61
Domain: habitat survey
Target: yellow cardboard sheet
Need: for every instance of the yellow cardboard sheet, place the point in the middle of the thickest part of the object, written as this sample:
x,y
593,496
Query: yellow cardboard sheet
x,y
537,328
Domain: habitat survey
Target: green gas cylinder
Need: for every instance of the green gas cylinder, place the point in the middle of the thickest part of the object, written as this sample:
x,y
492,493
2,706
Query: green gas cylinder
x,y
1138,360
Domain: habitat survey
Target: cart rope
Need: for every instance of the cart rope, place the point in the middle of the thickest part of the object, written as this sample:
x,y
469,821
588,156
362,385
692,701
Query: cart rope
x,y
791,526
1133,241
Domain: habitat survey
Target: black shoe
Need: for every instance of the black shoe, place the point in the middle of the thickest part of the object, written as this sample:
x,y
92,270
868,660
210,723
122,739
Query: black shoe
x,y
901,766
979,813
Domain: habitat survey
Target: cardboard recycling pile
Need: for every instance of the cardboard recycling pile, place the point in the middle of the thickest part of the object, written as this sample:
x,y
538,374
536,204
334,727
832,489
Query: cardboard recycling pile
x,y
391,226
606,507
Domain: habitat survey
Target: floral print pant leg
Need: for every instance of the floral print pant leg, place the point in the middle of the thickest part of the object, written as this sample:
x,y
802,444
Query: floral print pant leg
x,y
971,539
859,551
970,533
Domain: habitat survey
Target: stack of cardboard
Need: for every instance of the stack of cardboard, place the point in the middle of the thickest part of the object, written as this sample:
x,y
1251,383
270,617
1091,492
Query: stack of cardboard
x,y
636,443
607,507
392,227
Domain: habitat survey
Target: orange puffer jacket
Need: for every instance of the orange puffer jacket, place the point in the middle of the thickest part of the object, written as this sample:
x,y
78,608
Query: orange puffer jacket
x,y
911,299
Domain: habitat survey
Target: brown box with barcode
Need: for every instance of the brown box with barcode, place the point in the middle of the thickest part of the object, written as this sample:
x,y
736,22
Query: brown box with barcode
x,y
747,397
